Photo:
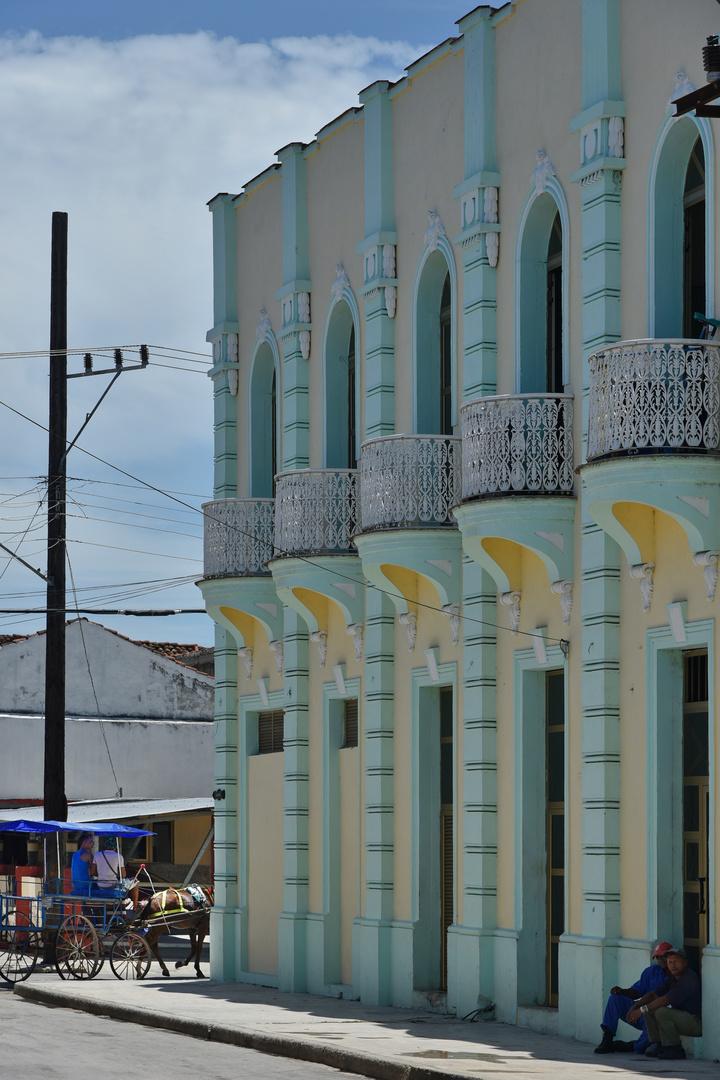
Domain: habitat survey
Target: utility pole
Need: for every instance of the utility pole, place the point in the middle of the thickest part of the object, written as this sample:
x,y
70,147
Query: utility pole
x,y
54,783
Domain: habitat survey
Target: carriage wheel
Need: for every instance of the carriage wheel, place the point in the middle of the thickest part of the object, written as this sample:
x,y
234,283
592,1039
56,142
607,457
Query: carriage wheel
x,y
130,956
20,946
77,949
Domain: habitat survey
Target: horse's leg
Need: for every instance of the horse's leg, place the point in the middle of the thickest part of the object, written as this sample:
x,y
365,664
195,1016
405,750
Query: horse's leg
x,y
152,938
202,929
188,958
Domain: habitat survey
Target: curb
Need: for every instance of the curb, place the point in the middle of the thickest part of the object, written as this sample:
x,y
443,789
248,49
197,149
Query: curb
x,y
353,1061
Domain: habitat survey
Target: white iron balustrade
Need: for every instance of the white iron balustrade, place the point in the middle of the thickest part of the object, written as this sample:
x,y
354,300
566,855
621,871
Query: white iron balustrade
x,y
238,537
653,395
517,443
316,512
409,481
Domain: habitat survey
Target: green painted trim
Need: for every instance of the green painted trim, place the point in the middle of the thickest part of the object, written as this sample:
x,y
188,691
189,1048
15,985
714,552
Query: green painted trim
x,y
529,817
479,111
662,481
382,236
300,285
259,418
663,742
225,327
353,114
521,518
601,110
614,164
333,454
256,182
413,549
320,575
478,179
600,51
251,595
294,213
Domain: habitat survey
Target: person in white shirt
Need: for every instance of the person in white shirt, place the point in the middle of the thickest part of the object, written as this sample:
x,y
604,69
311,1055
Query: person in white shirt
x,y
109,868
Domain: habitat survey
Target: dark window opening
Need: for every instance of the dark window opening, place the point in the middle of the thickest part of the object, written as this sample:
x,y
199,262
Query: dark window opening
x,y
271,731
696,806
694,242
162,842
555,824
351,404
446,427
554,320
447,857
350,737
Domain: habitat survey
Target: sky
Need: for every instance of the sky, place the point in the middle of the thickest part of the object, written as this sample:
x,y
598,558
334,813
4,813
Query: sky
x,y
130,117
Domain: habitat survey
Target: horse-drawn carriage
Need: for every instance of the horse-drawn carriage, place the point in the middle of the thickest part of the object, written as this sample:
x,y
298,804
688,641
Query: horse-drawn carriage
x,y
76,929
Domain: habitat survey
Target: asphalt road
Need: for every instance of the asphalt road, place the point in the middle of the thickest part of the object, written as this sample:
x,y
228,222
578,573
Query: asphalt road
x,y
41,1043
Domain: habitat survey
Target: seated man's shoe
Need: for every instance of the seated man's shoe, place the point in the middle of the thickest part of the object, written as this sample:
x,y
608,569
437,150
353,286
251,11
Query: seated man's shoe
x,y
671,1052
653,1050
606,1046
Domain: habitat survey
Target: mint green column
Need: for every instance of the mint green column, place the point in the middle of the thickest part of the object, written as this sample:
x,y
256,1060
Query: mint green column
x,y
293,920
372,968
601,128
226,928
227,931
471,945
295,335
379,251
478,194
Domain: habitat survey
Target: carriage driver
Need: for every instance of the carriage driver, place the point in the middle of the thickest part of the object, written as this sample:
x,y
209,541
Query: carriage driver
x,y
109,869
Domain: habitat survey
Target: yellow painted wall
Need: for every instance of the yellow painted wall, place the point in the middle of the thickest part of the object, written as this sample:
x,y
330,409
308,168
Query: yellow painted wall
x,y
265,860
189,834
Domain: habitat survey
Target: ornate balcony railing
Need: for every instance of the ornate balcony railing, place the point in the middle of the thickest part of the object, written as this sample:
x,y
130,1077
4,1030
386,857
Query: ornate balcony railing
x,y
316,512
654,395
517,443
238,537
409,481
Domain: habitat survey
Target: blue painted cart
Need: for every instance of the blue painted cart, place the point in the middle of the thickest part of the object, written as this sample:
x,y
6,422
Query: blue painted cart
x,y
78,931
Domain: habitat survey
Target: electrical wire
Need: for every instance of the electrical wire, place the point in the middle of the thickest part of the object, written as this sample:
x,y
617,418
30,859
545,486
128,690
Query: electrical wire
x,y
301,558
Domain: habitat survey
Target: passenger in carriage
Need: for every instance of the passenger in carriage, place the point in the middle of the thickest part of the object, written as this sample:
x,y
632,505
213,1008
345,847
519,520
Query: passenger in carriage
x,y
109,869
82,862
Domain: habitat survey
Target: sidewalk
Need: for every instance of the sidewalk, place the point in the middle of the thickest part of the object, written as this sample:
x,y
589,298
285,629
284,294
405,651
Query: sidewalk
x,y
389,1044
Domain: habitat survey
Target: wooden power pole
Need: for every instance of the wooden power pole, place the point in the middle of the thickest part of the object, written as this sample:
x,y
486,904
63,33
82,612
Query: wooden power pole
x,y
54,783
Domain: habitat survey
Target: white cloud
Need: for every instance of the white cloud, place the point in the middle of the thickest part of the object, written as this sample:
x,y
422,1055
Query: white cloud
x,y
132,138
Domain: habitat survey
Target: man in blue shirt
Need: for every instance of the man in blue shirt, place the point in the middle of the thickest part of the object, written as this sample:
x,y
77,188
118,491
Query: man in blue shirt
x,y
674,1009
621,1001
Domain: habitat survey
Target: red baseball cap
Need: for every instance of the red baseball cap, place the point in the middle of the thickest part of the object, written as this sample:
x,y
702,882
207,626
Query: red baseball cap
x,y
662,949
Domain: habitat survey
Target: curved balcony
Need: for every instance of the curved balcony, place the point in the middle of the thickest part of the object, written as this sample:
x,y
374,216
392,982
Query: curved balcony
x,y
654,396
517,444
238,538
409,482
316,512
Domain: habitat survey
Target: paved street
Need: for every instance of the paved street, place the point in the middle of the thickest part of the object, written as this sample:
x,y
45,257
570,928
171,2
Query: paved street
x,y
213,1023
42,1043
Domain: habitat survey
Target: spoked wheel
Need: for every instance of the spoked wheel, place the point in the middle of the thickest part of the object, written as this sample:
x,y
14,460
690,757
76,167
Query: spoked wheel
x,y
20,946
130,956
77,949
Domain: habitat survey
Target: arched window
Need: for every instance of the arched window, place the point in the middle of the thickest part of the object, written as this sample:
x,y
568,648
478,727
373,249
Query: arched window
x,y
680,252
341,419
434,348
694,243
541,346
263,424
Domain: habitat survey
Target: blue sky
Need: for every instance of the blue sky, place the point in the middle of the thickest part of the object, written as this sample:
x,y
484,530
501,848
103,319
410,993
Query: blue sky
x,y
130,117
408,20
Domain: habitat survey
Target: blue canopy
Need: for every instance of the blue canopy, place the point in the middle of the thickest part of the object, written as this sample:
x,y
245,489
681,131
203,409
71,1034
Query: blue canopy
x,y
103,828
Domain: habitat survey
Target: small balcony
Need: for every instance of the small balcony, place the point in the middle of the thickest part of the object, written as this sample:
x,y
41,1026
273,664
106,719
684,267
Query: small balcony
x,y
316,512
409,482
517,444
654,396
238,537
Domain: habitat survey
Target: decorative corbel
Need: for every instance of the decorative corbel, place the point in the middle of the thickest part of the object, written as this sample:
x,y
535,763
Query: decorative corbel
x,y
355,631
490,214
233,381
303,314
278,648
709,562
319,638
511,600
409,621
389,268
452,612
564,589
246,654
643,572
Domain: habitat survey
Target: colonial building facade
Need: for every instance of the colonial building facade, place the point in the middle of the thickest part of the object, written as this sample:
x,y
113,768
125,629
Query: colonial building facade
x,y
463,548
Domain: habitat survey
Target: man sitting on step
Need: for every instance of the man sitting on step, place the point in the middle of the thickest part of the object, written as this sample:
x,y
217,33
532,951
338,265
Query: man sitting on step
x,y
672,1010
621,1001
